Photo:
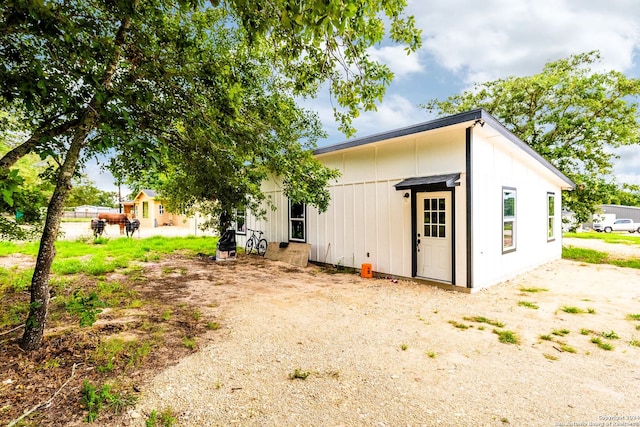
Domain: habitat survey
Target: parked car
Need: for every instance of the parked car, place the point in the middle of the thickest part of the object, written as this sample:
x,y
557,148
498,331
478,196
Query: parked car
x,y
622,224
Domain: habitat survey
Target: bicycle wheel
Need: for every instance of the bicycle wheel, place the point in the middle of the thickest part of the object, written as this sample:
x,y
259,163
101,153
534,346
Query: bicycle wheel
x,y
262,247
249,247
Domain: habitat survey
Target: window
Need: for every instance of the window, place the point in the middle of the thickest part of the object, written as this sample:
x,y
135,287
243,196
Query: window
x,y
508,219
551,216
435,217
145,209
240,221
297,225
161,209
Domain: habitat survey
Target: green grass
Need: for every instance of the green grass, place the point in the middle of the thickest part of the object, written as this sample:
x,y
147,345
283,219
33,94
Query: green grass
x,y
560,332
528,304
633,316
603,345
482,319
534,290
572,310
507,337
619,238
592,256
459,325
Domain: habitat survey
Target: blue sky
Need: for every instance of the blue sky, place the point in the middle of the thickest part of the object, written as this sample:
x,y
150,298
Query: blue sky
x,y
466,41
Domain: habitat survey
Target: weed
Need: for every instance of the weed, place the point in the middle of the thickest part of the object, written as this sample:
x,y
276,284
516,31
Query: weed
x,y
634,343
572,310
299,375
528,304
567,348
166,315
165,419
584,331
136,303
481,319
190,343
550,356
196,315
213,326
610,335
591,310
546,337
534,290
94,399
633,316
86,308
52,364
403,347
603,345
431,354
560,332
507,337
459,325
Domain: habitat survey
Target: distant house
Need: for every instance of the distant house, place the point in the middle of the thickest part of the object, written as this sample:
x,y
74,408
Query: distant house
x,y
152,213
459,201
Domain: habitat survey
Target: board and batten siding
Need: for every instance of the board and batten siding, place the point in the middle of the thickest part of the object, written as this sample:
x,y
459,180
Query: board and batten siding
x,y
498,164
368,221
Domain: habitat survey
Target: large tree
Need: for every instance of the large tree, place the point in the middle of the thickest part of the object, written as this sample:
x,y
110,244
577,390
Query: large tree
x,y
571,114
137,76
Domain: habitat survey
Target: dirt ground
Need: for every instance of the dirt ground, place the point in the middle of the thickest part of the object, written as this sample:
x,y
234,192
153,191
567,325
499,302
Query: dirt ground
x,y
379,353
383,353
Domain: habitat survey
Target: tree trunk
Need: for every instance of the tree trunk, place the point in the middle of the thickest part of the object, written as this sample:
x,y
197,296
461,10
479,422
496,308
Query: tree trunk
x,y
38,309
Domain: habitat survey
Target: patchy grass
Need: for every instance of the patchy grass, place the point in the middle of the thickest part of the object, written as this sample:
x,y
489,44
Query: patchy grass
x,y
592,256
633,316
601,344
560,332
534,290
528,304
298,374
611,335
482,319
459,325
550,356
617,238
507,337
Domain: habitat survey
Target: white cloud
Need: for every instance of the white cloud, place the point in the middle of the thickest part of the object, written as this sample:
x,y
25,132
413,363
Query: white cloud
x,y
627,167
498,38
396,58
395,112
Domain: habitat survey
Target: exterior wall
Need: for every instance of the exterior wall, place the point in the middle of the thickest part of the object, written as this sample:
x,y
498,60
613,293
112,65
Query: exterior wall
x,y
498,164
368,221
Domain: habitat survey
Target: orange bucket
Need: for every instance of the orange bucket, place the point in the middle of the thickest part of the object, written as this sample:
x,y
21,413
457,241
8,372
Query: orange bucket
x,y
366,271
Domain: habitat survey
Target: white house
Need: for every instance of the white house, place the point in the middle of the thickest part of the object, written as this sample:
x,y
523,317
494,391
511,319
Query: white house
x,y
459,200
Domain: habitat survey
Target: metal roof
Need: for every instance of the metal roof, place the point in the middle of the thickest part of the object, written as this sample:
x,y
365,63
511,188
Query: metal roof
x,y
478,115
449,180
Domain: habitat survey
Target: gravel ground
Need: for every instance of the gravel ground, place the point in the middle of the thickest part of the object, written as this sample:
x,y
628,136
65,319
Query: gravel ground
x,y
379,353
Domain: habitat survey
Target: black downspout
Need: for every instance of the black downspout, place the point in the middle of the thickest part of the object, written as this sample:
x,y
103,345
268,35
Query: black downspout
x,y
469,194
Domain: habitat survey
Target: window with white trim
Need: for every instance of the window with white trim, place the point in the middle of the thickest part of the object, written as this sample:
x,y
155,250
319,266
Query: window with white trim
x,y
161,209
240,221
297,222
551,216
508,219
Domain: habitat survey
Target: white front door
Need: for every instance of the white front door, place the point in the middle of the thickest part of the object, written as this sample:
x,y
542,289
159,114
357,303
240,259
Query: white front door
x,y
433,239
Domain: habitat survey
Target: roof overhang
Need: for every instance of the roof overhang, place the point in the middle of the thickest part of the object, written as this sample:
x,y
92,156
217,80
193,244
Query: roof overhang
x,y
447,181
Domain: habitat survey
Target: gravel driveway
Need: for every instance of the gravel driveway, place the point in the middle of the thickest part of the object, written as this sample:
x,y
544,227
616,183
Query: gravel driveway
x,y
379,353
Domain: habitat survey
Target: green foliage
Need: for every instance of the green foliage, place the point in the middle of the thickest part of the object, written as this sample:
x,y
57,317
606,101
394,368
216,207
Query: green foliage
x,y
139,80
572,309
633,316
570,114
96,398
597,257
601,344
86,308
560,332
84,192
165,418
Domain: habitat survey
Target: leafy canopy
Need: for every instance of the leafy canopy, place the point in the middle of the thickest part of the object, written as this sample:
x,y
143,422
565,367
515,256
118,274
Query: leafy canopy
x,y
572,115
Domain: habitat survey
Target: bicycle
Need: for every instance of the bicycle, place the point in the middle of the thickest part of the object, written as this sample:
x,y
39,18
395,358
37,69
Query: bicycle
x,y
256,242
